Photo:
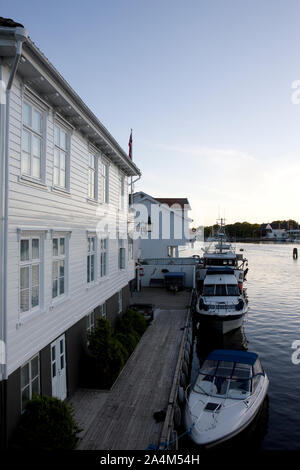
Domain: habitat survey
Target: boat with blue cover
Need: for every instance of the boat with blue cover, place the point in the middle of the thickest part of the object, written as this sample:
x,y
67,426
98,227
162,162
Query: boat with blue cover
x,y
226,396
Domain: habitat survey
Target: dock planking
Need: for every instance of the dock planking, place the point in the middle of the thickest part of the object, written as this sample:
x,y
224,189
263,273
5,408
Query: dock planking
x,y
122,419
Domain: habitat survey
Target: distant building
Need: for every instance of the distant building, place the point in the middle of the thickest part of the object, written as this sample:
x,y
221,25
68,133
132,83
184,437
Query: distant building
x,y
272,231
163,225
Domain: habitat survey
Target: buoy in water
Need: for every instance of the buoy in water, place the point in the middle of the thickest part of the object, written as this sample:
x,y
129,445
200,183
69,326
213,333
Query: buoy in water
x,y
295,253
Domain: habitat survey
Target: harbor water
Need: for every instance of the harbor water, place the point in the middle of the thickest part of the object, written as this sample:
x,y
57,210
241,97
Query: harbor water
x,y
270,328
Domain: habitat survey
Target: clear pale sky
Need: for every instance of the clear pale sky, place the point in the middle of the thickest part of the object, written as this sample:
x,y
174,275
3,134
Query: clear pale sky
x,y
206,86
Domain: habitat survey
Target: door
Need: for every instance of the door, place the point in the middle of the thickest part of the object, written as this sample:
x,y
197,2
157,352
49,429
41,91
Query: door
x,y
58,368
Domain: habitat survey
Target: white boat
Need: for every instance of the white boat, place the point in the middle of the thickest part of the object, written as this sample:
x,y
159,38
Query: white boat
x,y
222,302
226,397
222,254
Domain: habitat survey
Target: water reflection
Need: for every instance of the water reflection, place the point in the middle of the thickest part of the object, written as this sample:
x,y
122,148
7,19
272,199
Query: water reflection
x,y
208,339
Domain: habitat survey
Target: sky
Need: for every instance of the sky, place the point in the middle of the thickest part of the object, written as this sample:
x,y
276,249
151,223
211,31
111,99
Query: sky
x,y
206,86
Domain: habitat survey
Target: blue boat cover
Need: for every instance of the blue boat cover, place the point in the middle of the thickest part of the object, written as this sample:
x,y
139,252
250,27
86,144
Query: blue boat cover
x,y
230,355
174,275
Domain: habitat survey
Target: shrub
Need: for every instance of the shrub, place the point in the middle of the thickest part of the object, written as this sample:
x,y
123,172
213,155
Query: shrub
x,y
133,319
129,341
108,353
48,424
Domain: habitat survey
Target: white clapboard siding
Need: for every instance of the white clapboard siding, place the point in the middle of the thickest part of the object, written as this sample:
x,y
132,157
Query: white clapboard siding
x,y
40,206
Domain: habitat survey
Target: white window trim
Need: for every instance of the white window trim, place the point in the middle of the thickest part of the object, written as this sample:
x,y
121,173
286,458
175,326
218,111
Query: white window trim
x,y
68,129
95,253
120,301
106,251
103,310
106,198
61,233
23,234
95,153
30,378
122,192
33,100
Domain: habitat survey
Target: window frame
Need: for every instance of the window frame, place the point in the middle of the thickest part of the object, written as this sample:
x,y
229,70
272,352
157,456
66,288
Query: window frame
x,y
104,244
41,135
29,263
120,301
30,380
121,192
57,259
103,310
90,254
104,181
121,253
66,151
94,172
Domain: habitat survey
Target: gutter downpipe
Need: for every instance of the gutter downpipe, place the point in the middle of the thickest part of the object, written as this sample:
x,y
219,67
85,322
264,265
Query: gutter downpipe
x,y
20,36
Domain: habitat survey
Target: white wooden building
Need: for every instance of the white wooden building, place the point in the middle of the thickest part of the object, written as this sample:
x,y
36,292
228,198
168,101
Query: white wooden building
x,y
163,223
61,173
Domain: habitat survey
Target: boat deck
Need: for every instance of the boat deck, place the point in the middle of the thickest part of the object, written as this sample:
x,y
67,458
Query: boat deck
x,y
122,418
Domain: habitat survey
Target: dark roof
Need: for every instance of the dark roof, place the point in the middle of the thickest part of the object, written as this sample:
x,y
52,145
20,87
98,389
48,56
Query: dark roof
x,y
231,355
170,201
9,23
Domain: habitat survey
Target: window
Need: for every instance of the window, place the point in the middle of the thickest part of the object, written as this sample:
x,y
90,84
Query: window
x,y
91,256
172,251
29,274
120,302
103,310
92,177
122,193
90,322
58,266
32,138
60,156
104,177
103,256
122,253
130,248
30,380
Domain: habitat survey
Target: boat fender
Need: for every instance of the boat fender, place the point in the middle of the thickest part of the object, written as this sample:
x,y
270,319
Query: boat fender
x,y
180,395
182,380
177,416
187,349
185,368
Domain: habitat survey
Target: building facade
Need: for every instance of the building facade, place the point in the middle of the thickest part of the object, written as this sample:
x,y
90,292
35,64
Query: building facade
x,y
163,225
65,256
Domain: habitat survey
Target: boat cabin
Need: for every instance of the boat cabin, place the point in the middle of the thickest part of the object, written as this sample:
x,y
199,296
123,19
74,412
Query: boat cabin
x,y
229,374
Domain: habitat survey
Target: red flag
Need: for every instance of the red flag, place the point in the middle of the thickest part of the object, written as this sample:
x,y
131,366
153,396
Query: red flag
x,y
130,146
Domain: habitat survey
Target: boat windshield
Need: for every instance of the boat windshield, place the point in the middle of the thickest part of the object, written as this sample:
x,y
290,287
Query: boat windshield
x,y
221,290
225,379
220,262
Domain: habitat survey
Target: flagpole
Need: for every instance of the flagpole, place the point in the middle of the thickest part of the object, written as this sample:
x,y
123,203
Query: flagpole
x,y
131,183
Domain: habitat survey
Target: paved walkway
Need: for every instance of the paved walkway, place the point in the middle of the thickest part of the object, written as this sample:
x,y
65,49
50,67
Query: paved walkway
x,y
122,419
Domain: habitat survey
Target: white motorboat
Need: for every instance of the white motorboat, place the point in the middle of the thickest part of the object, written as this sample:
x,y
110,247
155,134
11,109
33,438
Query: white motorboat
x,y
222,302
226,397
222,254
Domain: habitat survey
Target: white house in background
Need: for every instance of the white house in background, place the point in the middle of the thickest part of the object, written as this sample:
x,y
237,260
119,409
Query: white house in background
x,y
276,234
61,170
163,224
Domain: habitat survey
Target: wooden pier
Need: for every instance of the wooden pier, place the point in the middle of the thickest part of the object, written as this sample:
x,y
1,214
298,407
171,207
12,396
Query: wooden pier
x,y
122,418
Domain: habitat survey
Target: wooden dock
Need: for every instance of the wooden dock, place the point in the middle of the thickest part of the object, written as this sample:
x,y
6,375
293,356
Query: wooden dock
x,y
122,418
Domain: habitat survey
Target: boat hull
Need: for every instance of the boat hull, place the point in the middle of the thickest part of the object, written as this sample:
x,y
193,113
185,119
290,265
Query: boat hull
x,y
214,435
222,324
